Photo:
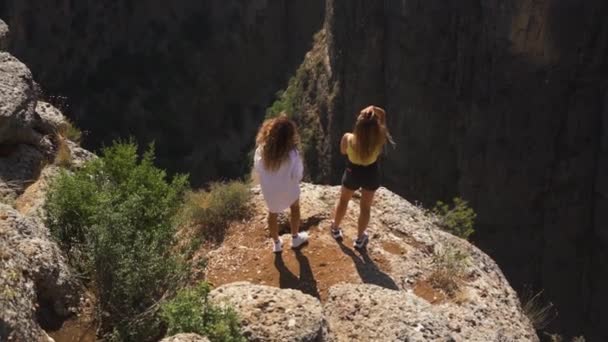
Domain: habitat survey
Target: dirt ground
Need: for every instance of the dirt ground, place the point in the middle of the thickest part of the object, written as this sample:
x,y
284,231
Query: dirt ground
x,y
246,255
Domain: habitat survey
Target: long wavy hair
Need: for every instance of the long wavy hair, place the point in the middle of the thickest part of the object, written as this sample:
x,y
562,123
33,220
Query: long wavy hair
x,y
277,137
370,135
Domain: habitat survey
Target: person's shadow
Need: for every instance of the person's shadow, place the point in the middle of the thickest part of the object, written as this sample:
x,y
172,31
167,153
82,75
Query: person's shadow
x,y
367,269
287,280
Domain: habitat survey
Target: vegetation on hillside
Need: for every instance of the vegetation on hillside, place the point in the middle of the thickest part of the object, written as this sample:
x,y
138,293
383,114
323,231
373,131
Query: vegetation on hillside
x,y
70,131
114,217
191,312
212,210
117,219
539,312
449,270
450,262
305,101
457,219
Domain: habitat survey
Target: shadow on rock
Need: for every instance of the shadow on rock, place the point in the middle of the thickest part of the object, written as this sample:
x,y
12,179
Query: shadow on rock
x,y
367,269
306,282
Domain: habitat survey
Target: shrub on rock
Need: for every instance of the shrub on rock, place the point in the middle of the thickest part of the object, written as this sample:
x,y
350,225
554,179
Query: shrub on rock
x,y
191,312
458,219
212,210
115,219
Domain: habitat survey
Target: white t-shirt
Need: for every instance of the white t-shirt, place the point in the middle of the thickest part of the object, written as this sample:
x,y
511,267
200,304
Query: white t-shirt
x,y
281,188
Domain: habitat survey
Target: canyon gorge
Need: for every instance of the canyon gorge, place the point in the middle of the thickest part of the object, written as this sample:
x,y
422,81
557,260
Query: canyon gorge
x,y
501,102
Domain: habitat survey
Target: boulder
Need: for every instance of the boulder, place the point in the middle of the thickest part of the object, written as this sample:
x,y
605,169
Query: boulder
x,y
33,276
3,35
185,338
18,168
273,314
17,102
79,155
51,118
373,313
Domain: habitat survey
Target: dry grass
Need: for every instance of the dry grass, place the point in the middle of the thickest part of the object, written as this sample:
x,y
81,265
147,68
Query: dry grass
x,y
212,210
559,338
63,156
69,131
449,270
539,312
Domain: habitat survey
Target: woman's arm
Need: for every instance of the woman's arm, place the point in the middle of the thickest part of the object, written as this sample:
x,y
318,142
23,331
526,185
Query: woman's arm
x,y
344,143
255,171
378,111
297,166
255,177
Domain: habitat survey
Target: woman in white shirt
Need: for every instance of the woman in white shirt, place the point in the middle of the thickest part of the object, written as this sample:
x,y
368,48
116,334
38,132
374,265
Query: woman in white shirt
x,y
278,167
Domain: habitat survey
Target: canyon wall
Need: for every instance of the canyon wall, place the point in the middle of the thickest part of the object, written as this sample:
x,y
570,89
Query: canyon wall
x,y
501,102
193,76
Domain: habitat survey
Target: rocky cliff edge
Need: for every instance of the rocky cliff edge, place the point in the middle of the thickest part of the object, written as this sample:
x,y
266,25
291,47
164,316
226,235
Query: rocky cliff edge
x,y
324,292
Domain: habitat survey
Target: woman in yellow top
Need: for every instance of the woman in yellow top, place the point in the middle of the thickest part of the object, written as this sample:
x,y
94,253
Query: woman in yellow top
x,y
362,147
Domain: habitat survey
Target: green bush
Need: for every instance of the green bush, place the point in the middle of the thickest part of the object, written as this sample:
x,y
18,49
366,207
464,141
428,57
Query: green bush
x,y
458,220
115,218
214,209
293,101
191,312
286,100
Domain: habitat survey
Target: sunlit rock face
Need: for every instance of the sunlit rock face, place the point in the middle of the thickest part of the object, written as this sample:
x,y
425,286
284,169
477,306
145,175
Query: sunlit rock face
x,y
195,77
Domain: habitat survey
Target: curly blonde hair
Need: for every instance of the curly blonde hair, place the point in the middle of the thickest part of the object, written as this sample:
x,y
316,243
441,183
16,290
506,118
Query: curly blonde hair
x,y
277,137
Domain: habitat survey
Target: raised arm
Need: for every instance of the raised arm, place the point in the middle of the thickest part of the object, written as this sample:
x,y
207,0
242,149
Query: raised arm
x,y
344,143
376,110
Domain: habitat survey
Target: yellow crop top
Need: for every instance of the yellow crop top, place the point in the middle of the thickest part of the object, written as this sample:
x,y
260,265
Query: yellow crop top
x,y
355,159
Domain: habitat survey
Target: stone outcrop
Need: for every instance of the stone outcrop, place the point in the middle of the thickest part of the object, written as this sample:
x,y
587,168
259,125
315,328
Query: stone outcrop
x,y
373,313
33,276
52,119
502,103
385,293
35,280
272,314
3,35
193,76
185,338
17,102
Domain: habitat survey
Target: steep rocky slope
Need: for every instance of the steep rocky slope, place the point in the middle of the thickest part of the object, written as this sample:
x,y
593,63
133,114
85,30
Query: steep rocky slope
x,y
193,76
501,102
36,285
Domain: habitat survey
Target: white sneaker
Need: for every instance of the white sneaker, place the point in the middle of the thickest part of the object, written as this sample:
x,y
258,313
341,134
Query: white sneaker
x,y
362,242
299,240
277,246
337,233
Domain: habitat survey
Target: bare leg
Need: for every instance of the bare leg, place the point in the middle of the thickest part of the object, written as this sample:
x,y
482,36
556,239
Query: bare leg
x,y
367,198
273,226
345,196
295,218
